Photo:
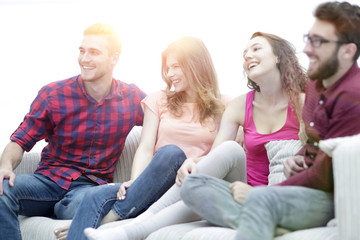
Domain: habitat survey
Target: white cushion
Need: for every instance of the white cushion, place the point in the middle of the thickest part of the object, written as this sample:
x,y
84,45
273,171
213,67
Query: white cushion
x,y
278,152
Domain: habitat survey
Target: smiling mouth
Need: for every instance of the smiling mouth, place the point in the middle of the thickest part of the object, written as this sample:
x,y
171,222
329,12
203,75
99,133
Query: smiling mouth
x,y
312,62
87,68
252,65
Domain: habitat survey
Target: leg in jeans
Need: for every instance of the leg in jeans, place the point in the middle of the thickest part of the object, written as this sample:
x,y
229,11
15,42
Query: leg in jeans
x,y
290,207
153,182
211,198
31,195
265,208
67,206
228,159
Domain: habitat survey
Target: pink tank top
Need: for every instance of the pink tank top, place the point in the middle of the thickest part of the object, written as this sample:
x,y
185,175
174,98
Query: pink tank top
x,y
257,162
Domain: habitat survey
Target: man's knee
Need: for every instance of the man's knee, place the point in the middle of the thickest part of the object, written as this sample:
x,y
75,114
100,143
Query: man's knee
x,y
260,195
192,186
193,181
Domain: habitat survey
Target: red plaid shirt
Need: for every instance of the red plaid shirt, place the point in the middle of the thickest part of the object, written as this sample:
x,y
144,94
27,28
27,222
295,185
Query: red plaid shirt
x,y
84,137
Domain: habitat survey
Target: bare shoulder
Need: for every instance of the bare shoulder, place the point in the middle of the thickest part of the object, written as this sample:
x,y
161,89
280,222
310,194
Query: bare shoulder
x,y
236,109
238,102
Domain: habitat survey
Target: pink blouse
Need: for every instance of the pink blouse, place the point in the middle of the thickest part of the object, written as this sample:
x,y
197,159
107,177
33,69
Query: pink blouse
x,y
186,131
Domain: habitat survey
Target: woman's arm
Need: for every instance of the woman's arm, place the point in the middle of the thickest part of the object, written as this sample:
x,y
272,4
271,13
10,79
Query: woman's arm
x,y
145,151
232,118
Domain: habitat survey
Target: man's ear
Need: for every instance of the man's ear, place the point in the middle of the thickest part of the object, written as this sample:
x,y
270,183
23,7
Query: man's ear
x,y
349,51
115,57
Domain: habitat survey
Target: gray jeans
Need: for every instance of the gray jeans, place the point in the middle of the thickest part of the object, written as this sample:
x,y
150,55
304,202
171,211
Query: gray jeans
x,y
264,208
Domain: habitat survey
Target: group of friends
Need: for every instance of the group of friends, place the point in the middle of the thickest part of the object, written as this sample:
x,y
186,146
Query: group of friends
x,y
201,154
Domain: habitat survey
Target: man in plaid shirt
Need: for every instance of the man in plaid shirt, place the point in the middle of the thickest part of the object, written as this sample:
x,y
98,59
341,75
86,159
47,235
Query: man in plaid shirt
x,y
85,120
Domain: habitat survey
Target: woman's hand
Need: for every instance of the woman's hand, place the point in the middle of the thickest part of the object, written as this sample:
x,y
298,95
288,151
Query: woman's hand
x,y
239,191
122,190
188,167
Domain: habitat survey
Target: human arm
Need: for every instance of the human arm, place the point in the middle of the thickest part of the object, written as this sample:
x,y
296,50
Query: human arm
x,y
294,165
338,116
145,151
10,159
231,122
239,191
229,125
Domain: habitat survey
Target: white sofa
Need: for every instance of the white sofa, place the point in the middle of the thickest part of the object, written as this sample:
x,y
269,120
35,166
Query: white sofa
x,y
346,158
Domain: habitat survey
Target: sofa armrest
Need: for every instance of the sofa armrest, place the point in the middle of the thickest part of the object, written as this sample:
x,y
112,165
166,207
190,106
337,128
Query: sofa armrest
x,y
345,152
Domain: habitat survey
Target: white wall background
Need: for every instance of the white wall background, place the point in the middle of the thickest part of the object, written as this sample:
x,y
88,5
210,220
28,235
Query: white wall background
x,y
39,40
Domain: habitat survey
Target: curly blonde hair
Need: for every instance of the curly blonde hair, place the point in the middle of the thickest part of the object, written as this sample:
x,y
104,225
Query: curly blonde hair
x,y
196,64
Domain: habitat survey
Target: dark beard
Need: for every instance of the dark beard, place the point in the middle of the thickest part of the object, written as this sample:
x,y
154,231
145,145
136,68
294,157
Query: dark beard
x,y
326,69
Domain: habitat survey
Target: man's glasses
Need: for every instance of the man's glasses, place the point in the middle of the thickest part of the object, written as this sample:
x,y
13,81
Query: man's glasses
x,y
317,41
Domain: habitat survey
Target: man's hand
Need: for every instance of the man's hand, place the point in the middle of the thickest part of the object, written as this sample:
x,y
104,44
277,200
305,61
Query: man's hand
x,y
6,174
239,191
293,165
121,194
188,167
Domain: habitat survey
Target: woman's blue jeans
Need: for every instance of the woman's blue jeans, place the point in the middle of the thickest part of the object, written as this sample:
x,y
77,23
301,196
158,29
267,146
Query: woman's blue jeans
x,y
37,195
152,183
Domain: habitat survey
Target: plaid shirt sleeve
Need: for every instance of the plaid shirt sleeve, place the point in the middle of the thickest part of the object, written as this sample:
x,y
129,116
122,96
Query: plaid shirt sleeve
x,y
36,124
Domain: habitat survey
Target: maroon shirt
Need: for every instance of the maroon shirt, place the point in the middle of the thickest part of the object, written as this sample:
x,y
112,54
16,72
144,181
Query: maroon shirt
x,y
327,113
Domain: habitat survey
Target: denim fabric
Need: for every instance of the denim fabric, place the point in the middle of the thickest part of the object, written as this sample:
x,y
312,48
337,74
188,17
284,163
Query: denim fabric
x,y
290,207
152,183
34,195
211,198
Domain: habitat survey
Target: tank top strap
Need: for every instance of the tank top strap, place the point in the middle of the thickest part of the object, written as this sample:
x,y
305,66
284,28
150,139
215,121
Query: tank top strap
x,y
248,109
291,118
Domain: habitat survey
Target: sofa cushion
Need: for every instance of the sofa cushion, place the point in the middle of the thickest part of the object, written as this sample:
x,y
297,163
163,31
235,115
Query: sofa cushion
x,y
278,152
345,152
39,228
202,230
320,233
178,231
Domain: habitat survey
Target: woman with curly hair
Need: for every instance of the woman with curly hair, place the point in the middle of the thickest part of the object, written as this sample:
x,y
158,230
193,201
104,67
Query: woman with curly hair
x,y
271,111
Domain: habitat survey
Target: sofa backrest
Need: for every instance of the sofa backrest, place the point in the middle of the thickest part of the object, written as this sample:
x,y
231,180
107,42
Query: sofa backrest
x,y
123,167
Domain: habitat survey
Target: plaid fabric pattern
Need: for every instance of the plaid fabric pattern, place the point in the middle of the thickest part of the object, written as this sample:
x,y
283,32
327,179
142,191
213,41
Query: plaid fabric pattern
x,y
84,137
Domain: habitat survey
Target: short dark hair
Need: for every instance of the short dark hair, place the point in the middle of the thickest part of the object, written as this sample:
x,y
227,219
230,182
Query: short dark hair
x,y
346,19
